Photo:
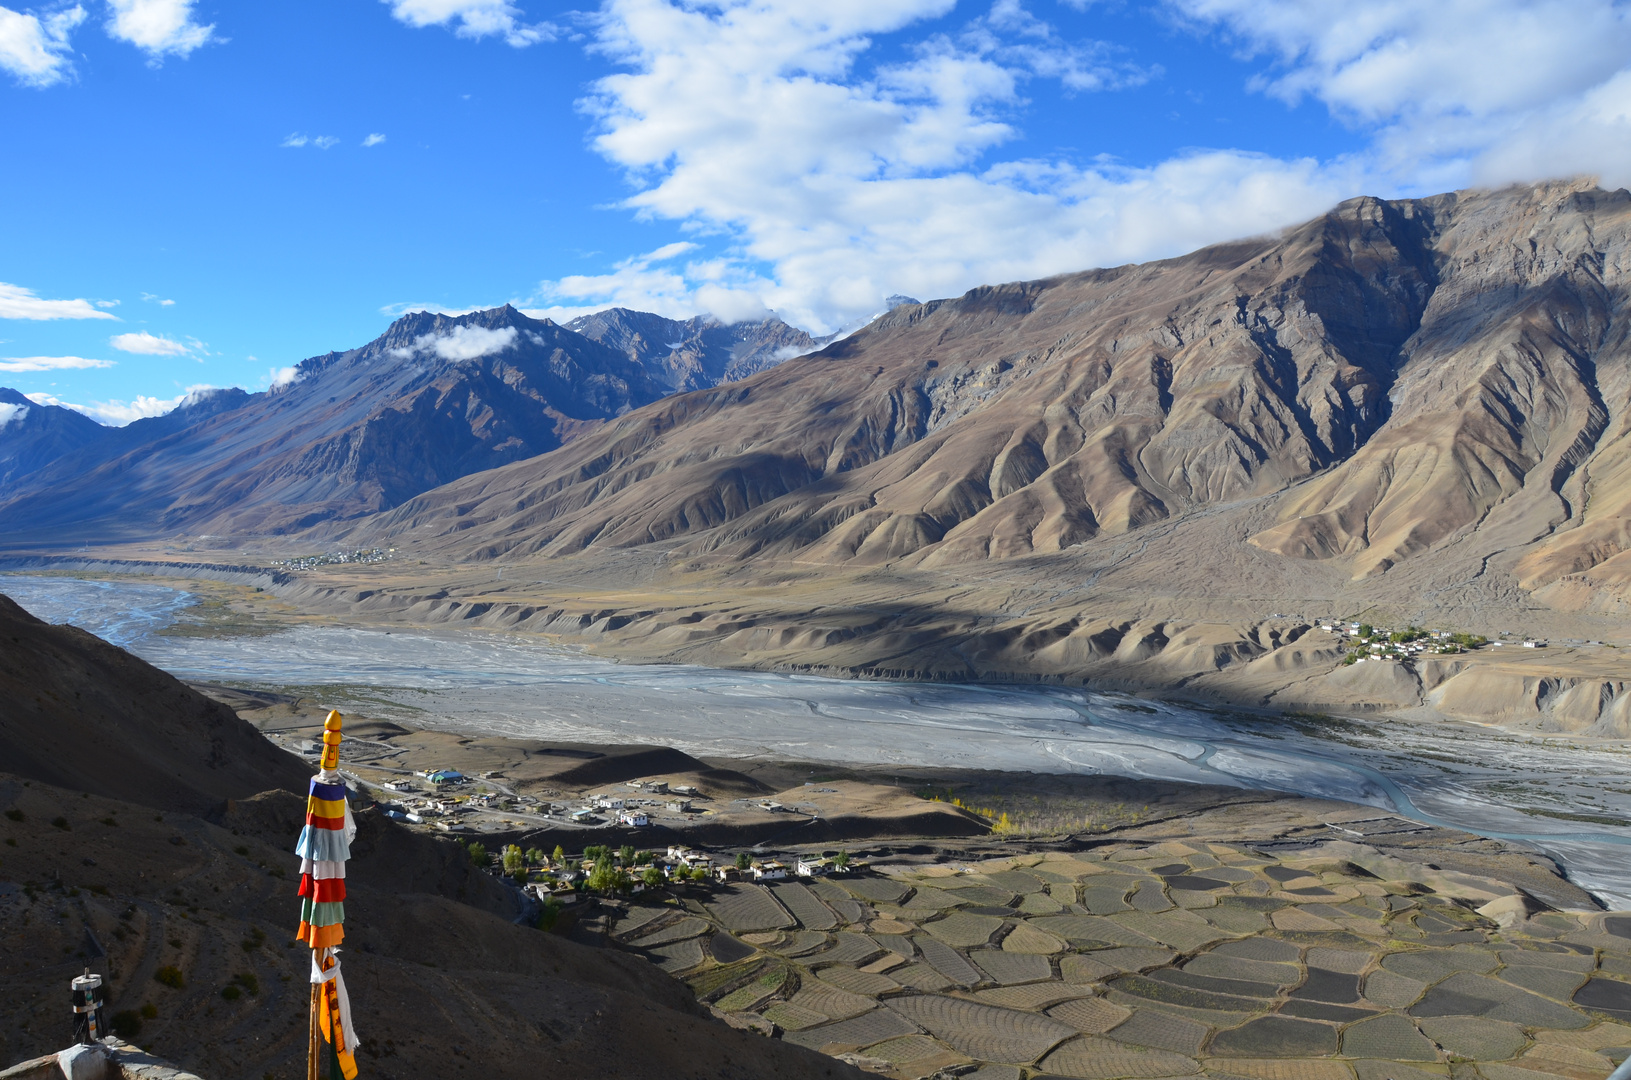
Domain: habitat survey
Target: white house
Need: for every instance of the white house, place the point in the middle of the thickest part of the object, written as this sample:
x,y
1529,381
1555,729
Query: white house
x,y
634,818
810,867
769,871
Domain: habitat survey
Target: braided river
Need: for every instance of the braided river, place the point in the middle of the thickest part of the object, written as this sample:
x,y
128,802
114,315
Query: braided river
x,y
1571,800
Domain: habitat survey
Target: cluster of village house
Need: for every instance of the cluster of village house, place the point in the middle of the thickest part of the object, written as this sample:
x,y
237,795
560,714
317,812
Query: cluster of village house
x,y
561,881
632,809
311,562
1386,643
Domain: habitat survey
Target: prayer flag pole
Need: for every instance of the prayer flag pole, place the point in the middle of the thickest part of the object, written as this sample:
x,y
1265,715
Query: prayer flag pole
x,y
324,847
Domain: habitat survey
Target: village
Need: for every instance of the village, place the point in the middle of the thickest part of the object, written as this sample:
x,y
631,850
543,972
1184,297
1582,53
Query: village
x,y
1362,641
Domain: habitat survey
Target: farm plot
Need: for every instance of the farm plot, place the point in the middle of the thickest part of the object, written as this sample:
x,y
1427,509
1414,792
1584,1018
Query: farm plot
x,y
748,907
984,1032
804,906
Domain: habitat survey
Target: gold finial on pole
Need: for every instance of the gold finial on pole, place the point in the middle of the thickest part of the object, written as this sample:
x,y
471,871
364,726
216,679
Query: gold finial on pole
x,y
331,740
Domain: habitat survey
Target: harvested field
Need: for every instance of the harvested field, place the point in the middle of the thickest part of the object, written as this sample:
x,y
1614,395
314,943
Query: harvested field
x,y
1355,977
984,1032
851,1034
748,907
1010,968
804,906
1101,1059
963,930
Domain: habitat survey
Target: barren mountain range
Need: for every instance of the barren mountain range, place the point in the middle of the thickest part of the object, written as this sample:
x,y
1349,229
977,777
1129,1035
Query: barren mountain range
x,y
1152,476
432,399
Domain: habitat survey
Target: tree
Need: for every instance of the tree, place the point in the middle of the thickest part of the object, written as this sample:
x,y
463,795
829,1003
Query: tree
x,y
841,860
606,877
1365,630
626,855
536,857
653,877
515,860
478,854
743,860
559,858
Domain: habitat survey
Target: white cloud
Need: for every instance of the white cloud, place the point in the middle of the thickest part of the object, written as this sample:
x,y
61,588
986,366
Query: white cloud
x,y
50,363
294,139
282,377
146,344
17,302
373,140
1456,91
117,413
158,27
474,19
462,343
323,142
10,411
115,303
839,175
152,298
35,50
840,188
398,310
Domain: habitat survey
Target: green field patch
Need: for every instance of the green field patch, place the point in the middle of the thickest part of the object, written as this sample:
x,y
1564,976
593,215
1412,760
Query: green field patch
x,y
854,1033
984,1032
1009,968
1162,1031
1475,1038
963,930
755,992
1097,1058
1276,1036
1390,1037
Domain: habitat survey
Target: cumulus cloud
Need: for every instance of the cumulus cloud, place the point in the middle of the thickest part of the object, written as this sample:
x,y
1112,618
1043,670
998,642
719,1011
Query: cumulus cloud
x,y
373,140
35,49
839,175
840,187
475,19
1453,92
323,142
118,413
17,302
461,343
159,28
10,411
294,139
50,363
146,344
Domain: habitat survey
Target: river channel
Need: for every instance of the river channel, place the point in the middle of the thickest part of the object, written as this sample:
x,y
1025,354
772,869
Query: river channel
x,y
1487,782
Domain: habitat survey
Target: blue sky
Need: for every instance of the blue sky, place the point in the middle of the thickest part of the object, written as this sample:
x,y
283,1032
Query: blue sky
x,y
204,194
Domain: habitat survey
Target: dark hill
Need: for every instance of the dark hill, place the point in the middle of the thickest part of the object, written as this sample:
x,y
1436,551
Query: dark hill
x,y
32,436
80,713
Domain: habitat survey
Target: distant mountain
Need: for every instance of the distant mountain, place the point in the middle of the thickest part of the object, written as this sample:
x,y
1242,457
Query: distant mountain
x,y
32,436
1442,381
699,352
432,399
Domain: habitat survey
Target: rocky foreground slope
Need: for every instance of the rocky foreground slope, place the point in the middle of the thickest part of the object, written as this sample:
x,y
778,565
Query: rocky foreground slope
x,y
148,834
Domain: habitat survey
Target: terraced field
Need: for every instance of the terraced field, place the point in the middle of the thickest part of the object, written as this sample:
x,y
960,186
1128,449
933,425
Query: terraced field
x,y
1173,960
